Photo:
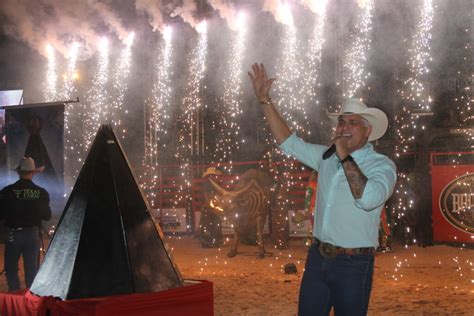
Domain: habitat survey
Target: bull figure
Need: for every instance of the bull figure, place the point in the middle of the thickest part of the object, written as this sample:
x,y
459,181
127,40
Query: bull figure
x,y
248,204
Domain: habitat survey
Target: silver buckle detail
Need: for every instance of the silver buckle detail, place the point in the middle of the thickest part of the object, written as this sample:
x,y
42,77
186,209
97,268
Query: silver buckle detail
x,y
327,250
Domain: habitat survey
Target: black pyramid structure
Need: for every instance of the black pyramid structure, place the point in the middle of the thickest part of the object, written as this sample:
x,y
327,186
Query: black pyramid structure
x,y
106,242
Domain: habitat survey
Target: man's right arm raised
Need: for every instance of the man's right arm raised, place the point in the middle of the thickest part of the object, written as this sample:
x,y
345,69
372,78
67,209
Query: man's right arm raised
x,y
262,84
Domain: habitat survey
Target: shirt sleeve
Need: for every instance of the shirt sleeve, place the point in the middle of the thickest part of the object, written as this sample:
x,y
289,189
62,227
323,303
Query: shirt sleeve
x,y
380,184
309,154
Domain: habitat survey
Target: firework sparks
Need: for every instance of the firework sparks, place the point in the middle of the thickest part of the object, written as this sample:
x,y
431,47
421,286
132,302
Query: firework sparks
x,y
158,112
414,97
120,79
160,101
413,94
190,140
289,102
420,56
190,118
68,88
312,70
355,74
232,99
72,117
51,75
292,91
99,108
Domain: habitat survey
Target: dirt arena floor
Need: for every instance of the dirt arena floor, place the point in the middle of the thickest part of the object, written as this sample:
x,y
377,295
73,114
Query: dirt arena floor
x,y
436,280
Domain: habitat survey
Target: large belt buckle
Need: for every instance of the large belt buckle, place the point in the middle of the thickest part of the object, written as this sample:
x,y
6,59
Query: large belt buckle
x,y
327,250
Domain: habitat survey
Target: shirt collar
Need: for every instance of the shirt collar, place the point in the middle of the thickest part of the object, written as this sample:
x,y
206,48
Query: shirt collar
x,y
24,180
360,153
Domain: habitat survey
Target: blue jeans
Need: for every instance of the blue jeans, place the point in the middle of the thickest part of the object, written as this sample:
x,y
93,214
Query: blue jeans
x,y
24,242
344,282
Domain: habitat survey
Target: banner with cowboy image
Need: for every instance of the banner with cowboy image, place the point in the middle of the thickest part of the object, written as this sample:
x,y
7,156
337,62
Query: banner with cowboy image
x,y
37,131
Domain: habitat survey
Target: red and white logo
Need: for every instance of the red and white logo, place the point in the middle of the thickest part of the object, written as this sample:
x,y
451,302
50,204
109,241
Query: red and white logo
x,y
456,203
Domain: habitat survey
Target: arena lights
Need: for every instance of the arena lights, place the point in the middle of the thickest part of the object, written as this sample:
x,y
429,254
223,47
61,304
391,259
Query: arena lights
x,y
75,76
167,33
285,12
73,52
103,45
362,3
49,51
241,19
321,7
129,39
202,27
317,6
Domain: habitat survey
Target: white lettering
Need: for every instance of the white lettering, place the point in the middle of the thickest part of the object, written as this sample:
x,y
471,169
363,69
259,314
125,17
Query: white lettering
x,y
461,202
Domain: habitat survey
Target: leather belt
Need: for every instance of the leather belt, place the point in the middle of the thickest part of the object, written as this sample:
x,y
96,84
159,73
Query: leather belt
x,y
330,251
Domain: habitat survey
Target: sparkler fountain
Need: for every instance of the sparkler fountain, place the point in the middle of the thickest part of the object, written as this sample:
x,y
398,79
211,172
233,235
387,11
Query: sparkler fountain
x,y
298,56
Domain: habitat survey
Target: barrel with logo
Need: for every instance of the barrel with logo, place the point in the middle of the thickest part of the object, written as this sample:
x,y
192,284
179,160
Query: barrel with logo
x,y
452,176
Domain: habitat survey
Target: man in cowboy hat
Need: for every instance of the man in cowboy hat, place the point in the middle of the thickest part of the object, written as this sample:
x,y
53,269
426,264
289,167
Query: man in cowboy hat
x,y
23,205
354,182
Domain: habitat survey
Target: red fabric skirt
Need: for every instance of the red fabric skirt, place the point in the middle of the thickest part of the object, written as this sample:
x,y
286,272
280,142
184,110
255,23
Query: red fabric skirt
x,y
192,299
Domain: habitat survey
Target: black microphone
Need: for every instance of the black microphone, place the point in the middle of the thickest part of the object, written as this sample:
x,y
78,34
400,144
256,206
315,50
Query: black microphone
x,y
328,153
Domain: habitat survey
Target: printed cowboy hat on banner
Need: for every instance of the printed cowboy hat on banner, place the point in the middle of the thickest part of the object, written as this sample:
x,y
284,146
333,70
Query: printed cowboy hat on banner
x,y
27,164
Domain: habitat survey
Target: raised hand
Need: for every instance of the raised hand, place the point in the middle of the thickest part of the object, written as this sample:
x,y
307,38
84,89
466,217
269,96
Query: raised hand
x,y
261,85
261,82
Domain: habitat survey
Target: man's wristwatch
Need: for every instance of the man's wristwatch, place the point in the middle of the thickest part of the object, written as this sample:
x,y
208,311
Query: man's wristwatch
x,y
348,158
266,101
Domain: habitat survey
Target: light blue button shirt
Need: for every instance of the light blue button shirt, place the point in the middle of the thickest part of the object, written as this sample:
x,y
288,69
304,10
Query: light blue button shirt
x,y
340,219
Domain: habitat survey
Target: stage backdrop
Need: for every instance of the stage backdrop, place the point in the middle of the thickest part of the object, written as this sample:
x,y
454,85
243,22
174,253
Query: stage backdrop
x,y
37,131
452,176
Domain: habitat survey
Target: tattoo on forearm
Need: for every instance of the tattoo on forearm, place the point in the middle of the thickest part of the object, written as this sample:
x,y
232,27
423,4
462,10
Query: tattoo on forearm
x,y
357,180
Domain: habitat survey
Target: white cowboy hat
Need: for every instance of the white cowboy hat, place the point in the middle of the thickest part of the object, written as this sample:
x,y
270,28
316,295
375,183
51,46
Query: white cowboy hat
x,y
377,118
28,164
211,170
